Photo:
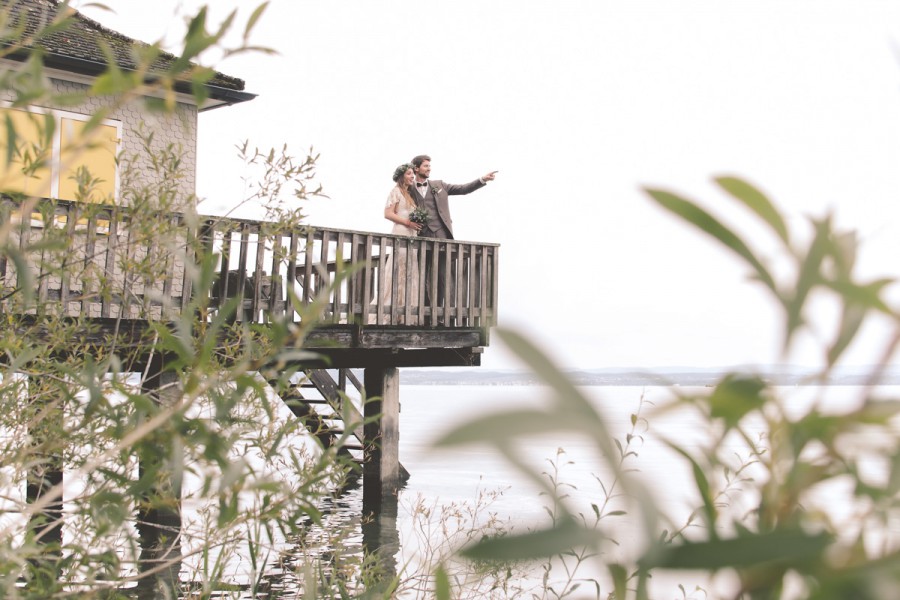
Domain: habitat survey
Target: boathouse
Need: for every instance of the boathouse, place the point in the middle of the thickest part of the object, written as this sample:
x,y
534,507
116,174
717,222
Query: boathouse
x,y
73,253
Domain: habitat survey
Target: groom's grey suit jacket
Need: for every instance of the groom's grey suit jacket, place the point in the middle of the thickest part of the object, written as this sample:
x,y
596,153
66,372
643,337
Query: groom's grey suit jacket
x,y
436,202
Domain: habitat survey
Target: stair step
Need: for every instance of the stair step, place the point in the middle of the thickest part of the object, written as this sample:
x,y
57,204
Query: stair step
x,y
295,401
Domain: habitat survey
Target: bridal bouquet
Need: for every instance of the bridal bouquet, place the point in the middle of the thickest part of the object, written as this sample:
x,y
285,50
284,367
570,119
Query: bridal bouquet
x,y
419,215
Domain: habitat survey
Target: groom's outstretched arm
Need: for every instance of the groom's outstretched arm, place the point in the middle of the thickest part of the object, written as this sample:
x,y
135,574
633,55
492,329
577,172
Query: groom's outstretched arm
x,y
455,189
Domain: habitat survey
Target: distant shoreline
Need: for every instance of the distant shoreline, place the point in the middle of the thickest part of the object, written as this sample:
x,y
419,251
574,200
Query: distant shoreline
x,y
608,377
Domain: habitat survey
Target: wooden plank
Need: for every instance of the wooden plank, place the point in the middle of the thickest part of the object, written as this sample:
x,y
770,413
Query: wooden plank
x,y
368,274
243,252
349,375
330,391
65,273
407,281
382,265
448,285
434,259
357,358
168,255
259,276
190,242
309,286
322,274
474,283
89,281
291,271
420,300
455,289
353,284
408,337
225,267
483,290
338,285
275,306
394,316
495,287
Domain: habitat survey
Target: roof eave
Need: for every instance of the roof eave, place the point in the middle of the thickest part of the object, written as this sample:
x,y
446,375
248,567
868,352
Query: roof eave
x,y
218,96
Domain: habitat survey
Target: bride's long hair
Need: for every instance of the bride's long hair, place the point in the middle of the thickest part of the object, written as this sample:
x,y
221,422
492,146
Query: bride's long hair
x,y
399,174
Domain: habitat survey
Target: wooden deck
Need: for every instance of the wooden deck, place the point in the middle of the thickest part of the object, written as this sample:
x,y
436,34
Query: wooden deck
x,y
114,275
85,262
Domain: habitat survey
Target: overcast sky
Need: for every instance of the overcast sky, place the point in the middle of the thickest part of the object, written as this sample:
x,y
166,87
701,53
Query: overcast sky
x,y
579,104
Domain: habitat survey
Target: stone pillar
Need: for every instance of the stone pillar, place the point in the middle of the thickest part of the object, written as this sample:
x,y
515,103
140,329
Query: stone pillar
x,y
381,447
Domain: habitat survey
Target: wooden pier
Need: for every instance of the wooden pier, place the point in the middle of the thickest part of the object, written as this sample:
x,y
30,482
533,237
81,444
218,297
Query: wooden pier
x,y
339,288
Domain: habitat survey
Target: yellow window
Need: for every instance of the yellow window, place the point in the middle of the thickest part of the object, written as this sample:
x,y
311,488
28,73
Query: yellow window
x,y
26,139
98,156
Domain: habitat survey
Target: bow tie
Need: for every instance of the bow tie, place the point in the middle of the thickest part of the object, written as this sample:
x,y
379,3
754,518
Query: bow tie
x,y
423,184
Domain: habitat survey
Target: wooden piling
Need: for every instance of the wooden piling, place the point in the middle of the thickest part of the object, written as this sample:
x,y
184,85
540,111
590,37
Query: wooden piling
x,y
381,449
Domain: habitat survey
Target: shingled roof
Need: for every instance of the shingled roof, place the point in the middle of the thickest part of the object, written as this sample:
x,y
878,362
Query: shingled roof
x,y
77,49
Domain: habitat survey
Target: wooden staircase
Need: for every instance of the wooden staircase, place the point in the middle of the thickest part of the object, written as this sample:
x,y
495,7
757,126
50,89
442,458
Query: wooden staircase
x,y
320,400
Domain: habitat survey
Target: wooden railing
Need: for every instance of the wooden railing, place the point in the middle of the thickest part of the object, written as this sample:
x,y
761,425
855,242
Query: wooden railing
x,y
73,259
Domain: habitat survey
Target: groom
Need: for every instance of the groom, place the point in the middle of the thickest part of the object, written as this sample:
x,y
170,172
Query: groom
x,y
433,194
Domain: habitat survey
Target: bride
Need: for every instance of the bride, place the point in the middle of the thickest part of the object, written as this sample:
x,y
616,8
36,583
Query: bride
x,y
397,210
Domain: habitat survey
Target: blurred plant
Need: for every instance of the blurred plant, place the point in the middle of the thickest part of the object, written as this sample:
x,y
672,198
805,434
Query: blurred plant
x,y
277,169
438,531
772,473
206,429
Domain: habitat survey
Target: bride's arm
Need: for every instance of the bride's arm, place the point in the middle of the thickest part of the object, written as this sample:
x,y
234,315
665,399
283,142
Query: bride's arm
x,y
390,213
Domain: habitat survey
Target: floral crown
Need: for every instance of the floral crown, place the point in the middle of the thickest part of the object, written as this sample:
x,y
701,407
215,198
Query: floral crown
x,y
399,171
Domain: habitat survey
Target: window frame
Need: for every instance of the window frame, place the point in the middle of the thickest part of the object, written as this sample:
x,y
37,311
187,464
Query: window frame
x,y
56,166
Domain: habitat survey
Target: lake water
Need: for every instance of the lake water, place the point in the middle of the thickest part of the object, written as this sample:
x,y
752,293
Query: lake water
x,y
456,476
452,493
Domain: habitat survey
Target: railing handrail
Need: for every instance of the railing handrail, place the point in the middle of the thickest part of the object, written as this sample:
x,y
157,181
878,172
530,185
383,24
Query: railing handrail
x,y
226,218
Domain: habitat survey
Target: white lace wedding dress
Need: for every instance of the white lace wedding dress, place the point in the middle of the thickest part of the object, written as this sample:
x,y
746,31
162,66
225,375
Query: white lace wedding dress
x,y
398,203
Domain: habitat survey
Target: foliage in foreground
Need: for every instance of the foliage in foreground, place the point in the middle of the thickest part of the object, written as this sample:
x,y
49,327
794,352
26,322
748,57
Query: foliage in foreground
x,y
210,431
764,520
795,501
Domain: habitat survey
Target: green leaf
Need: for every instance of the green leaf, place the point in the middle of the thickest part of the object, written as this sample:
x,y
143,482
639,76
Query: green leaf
x,y
620,580
778,547
735,396
441,584
864,294
809,275
702,483
698,217
852,318
501,428
534,545
571,402
756,201
11,140
251,22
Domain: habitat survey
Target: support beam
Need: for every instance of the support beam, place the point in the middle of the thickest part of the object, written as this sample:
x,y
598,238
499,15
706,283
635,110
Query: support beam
x,y
343,358
381,462
47,472
159,518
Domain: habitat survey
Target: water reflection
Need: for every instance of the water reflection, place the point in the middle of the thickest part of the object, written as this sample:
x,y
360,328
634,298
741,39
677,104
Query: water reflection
x,y
381,539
